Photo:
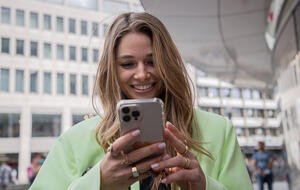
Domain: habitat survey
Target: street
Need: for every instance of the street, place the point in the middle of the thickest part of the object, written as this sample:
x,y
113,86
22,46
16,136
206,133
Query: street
x,y
278,185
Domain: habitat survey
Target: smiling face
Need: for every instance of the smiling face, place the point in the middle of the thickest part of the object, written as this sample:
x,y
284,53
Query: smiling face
x,y
137,75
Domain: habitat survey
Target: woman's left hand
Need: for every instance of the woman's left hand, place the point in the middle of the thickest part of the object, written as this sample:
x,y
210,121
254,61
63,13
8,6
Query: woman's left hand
x,y
184,169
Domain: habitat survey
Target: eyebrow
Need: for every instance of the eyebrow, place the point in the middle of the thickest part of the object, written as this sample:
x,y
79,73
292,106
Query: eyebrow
x,y
130,56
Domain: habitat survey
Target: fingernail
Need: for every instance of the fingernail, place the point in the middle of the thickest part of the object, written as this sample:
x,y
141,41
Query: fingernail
x,y
154,165
162,145
164,180
170,123
165,157
136,133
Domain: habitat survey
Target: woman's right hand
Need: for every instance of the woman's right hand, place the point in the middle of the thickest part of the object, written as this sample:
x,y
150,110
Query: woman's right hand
x,y
116,172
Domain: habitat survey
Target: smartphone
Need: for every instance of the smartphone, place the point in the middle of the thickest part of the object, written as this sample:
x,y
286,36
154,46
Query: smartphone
x,y
144,114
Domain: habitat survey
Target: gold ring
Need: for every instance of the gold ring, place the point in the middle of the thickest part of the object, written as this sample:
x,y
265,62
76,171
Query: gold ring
x,y
125,160
187,163
170,170
110,149
134,172
186,149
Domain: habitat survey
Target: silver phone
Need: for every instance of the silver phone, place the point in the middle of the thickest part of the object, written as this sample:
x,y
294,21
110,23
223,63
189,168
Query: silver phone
x,y
144,114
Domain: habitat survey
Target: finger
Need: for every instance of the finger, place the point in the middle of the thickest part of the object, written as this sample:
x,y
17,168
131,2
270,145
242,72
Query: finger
x,y
177,161
146,151
143,167
177,144
124,140
181,175
174,130
146,166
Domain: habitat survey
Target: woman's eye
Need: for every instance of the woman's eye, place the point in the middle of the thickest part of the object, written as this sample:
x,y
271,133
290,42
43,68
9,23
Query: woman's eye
x,y
150,63
126,65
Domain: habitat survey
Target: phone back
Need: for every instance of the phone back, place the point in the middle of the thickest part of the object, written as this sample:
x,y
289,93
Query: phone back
x,y
144,114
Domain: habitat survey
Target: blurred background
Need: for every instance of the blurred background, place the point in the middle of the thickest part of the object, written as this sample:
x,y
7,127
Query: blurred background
x,y
242,55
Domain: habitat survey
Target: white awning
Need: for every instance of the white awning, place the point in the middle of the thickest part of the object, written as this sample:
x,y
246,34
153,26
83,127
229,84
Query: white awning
x,y
224,38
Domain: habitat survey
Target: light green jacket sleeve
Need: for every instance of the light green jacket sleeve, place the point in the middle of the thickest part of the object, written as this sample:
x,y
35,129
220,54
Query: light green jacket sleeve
x,y
227,170
72,154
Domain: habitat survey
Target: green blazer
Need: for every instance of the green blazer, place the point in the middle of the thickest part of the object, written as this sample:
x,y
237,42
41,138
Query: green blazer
x,y
77,149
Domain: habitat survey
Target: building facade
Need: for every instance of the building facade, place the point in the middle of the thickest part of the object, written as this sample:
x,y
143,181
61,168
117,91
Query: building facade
x,y
254,113
49,52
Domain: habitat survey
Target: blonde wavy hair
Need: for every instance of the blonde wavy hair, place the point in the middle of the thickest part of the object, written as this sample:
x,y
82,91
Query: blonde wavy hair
x,y
176,95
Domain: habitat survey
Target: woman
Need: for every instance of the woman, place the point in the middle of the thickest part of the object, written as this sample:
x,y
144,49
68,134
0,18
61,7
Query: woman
x,y
140,60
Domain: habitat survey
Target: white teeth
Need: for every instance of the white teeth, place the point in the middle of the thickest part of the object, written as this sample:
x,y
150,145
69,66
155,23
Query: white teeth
x,y
143,87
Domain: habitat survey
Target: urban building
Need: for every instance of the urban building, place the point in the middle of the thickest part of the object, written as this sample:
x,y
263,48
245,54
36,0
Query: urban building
x,y
254,113
49,50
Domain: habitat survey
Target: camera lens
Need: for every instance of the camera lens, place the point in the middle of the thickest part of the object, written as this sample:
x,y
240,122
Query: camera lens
x,y
126,118
125,110
135,113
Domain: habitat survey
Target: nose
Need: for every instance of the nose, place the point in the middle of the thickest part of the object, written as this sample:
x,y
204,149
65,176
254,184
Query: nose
x,y
141,72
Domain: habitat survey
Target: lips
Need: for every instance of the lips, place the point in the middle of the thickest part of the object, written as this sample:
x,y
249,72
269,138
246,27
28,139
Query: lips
x,y
143,88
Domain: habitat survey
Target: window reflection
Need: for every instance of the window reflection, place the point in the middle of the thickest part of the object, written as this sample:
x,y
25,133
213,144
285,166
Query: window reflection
x,y
44,125
9,124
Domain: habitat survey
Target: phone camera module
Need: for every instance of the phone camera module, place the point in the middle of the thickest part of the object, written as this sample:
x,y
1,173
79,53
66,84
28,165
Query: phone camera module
x,y
125,110
135,114
126,118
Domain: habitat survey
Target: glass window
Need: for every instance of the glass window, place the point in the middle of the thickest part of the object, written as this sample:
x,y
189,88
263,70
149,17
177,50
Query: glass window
x,y
247,93
252,131
34,20
240,131
95,29
235,93
47,50
213,92
59,24
19,81
249,112
72,25
271,113
216,110
237,112
60,55
256,94
227,112
5,15
84,54
4,80
260,113
33,49
60,87
225,92
105,27
47,22
20,47
95,55
47,82
202,91
5,45
72,53
77,118
34,81
9,124
72,84
85,85
83,26
46,125
111,6
20,20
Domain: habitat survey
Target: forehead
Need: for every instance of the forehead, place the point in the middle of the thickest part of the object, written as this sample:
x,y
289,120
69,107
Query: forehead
x,y
134,44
